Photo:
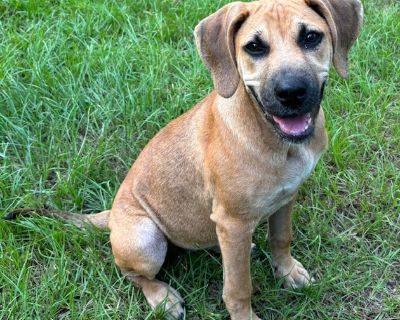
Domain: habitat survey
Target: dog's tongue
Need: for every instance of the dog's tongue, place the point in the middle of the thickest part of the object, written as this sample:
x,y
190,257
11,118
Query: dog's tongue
x,y
294,125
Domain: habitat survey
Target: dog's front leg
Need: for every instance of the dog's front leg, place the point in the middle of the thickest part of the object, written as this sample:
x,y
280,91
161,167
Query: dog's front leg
x,y
280,238
234,236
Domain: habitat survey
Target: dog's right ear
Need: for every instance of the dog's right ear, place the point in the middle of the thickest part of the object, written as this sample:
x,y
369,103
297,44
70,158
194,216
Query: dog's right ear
x,y
215,40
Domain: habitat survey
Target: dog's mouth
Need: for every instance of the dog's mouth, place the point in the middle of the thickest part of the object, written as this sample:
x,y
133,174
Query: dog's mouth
x,y
294,127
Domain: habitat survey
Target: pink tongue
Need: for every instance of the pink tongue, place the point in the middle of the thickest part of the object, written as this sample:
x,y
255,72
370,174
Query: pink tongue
x,y
293,125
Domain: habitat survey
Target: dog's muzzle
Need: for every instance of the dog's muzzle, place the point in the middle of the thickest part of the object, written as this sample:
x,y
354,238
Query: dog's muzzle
x,y
290,103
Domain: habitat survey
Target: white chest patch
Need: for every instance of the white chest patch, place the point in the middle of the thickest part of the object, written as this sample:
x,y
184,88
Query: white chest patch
x,y
297,169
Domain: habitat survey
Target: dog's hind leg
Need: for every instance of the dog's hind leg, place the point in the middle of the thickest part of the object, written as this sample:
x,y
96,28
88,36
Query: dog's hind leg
x,y
139,248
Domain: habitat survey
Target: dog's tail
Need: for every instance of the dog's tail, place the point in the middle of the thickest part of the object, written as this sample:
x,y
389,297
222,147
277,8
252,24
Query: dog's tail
x,y
99,220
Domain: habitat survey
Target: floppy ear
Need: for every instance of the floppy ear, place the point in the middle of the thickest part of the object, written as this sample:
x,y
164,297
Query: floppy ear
x,y
215,40
344,18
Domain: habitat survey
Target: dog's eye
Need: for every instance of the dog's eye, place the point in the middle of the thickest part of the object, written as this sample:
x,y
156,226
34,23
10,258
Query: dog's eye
x,y
312,39
255,48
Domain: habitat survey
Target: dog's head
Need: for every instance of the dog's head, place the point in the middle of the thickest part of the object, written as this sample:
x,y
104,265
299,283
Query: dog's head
x,y
280,50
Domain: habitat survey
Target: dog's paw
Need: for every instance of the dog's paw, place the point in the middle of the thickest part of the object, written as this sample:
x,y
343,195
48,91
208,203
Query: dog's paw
x,y
294,274
168,299
254,317
245,315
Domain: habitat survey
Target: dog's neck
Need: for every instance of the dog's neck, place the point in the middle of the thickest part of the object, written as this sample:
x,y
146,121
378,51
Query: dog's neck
x,y
242,118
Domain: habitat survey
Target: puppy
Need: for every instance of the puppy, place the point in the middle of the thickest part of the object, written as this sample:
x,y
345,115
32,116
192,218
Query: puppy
x,y
239,156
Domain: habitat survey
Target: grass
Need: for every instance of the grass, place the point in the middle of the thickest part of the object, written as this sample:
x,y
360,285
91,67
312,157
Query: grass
x,y
84,86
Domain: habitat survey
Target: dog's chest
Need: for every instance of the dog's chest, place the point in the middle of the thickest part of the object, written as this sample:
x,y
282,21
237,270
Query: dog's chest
x,y
283,180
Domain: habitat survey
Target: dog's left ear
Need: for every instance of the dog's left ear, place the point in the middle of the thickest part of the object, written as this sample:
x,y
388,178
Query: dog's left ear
x,y
215,40
344,18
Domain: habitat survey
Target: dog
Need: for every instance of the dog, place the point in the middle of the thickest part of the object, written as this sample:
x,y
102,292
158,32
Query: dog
x,y
238,157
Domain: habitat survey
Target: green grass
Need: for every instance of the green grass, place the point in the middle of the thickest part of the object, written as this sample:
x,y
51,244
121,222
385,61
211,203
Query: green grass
x,y
85,84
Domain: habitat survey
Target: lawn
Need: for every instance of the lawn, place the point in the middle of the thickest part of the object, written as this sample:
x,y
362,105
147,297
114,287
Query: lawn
x,y
84,85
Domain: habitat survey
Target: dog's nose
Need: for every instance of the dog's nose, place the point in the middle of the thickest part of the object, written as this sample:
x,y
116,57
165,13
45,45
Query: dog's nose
x,y
291,91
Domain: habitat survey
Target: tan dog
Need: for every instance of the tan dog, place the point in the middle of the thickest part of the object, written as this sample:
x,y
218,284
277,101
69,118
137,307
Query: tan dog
x,y
239,156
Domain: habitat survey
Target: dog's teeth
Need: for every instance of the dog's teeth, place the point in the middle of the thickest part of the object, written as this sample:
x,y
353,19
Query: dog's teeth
x,y
308,123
